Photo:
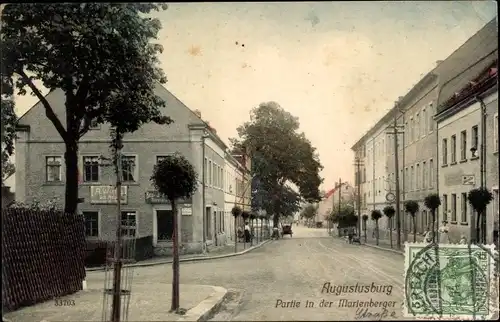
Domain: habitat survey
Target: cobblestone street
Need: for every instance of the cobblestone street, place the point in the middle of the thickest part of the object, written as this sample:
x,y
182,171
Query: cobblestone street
x,y
280,277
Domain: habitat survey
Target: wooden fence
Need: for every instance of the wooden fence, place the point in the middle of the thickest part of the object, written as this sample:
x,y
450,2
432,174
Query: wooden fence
x,y
43,256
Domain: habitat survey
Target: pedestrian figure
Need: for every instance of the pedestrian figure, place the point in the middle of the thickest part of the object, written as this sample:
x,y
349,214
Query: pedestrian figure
x,y
350,234
443,234
247,232
428,236
463,240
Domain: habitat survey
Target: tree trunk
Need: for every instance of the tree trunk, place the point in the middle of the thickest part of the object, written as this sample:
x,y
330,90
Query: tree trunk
x,y
433,214
175,262
235,237
276,218
390,230
376,230
364,229
414,228
71,193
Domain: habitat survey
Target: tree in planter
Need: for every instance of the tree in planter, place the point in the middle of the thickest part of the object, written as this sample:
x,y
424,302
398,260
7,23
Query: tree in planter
x,y
252,218
245,214
389,212
95,53
376,215
412,207
308,212
479,199
236,212
175,178
432,202
365,219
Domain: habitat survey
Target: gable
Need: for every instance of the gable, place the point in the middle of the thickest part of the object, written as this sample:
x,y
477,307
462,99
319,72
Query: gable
x,y
42,129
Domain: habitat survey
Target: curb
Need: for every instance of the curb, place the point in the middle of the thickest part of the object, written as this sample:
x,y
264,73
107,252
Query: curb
x,y
207,307
189,259
385,249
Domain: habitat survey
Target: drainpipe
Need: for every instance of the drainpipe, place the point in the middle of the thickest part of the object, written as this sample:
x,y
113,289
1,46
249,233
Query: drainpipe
x,y
482,161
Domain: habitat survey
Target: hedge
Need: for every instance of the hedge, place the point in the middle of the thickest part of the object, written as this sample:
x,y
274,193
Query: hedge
x,y
43,256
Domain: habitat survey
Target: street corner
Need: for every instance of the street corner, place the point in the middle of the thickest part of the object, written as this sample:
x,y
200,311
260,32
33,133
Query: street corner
x,y
450,280
209,306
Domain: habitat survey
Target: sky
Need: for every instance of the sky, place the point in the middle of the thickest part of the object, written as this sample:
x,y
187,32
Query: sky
x,y
337,66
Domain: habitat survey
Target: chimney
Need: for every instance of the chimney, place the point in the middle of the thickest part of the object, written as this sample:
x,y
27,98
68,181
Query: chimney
x,y
438,62
198,113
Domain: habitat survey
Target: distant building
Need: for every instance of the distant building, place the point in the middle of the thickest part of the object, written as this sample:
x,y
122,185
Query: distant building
x,y
40,175
330,200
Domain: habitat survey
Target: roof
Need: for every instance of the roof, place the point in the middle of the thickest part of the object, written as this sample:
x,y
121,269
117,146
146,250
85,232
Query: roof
x,y
465,63
476,53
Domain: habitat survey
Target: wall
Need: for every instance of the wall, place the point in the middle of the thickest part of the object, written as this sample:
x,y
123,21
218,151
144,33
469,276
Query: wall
x,y
450,176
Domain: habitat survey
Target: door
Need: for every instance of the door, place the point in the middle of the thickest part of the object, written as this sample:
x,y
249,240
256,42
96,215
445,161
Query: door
x,y
164,225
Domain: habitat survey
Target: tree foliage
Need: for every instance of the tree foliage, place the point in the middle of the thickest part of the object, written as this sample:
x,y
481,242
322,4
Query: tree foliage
x,y
99,54
411,207
389,211
236,211
9,120
175,177
365,218
376,215
479,199
308,212
432,201
279,154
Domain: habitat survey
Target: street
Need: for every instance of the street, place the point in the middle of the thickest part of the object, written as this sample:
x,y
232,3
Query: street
x,y
275,281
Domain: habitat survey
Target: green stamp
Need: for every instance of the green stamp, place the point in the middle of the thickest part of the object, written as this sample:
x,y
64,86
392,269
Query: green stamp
x,y
450,281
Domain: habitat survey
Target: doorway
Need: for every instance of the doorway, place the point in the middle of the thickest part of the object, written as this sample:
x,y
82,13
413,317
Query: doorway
x,y
164,225
208,224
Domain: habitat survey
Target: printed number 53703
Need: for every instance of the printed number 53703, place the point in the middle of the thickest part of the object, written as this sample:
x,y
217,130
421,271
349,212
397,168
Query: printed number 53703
x,y
65,302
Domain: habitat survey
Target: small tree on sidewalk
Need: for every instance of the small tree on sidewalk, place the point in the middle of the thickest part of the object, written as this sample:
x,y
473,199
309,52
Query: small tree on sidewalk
x,y
252,218
433,202
376,215
245,214
389,212
175,178
411,207
479,199
236,212
365,219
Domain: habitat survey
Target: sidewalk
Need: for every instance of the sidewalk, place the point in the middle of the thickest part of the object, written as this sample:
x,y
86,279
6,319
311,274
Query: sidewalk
x,y
219,252
148,302
385,242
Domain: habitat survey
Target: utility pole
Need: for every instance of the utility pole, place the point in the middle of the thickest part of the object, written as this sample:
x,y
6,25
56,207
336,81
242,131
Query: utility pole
x,y
117,289
203,201
358,163
482,163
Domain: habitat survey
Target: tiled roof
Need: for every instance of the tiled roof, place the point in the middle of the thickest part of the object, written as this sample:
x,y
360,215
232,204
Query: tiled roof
x,y
472,86
465,63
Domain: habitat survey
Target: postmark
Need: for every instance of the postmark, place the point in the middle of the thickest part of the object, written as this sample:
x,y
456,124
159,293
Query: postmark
x,y
450,281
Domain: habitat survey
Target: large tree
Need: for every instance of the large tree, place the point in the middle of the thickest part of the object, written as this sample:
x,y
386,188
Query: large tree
x,y
280,154
8,135
98,54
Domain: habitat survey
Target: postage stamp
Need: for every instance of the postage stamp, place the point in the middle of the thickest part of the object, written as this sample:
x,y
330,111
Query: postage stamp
x,y
450,281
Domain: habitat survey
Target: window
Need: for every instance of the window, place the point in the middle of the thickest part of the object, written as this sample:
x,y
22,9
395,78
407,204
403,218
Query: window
x,y
164,225
453,148
407,180
129,168
454,207
206,170
91,220
495,129
463,217
474,137
425,123
412,179
445,207
407,133
53,169
412,128
160,158
90,168
210,182
463,145
424,175
444,150
129,223
431,173
431,117
417,126
214,174
418,177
